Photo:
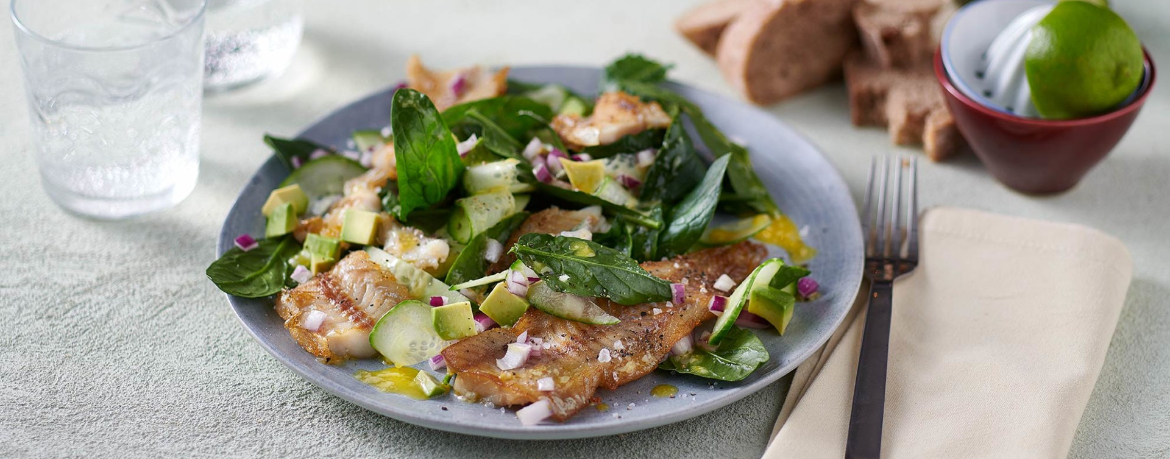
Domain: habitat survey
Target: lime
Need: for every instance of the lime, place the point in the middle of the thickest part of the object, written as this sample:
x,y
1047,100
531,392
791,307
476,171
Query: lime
x,y
1083,60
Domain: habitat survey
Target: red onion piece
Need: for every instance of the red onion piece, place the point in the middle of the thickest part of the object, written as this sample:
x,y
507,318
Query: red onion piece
x,y
806,286
297,162
245,242
546,384
494,251
483,322
523,337
683,346
313,320
749,320
318,153
680,293
400,85
301,274
554,164
582,157
718,304
533,149
352,155
466,146
438,362
517,283
535,413
438,301
541,172
557,153
629,182
459,84
646,157
515,358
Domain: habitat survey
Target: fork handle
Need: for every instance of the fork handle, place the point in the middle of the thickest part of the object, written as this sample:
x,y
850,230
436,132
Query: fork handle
x,y
869,391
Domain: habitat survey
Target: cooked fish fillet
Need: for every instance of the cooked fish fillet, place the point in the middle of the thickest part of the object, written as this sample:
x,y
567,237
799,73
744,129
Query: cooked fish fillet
x,y
576,353
360,193
549,221
353,296
455,86
616,114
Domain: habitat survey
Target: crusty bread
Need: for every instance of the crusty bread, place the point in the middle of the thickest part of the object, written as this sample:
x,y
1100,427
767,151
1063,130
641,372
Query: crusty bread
x,y
907,101
704,24
775,49
901,33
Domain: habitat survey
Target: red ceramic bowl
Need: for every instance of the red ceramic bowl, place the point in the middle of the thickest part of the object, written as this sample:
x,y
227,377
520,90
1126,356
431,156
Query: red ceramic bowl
x,y
1038,156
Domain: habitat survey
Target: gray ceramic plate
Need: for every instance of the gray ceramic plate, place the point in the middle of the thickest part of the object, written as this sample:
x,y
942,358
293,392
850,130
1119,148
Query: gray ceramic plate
x,y
801,180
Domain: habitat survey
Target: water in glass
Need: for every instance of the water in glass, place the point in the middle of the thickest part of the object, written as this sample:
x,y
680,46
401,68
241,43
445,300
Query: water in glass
x,y
249,40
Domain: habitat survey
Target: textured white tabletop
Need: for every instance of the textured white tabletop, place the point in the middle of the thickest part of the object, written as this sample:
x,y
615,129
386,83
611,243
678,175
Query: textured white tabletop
x,y
114,343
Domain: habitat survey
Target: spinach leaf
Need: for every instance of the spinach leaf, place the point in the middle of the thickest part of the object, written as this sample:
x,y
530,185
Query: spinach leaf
x,y
633,143
586,268
644,239
580,197
287,149
788,275
689,219
633,67
617,238
515,115
738,355
428,164
677,169
256,273
495,138
470,263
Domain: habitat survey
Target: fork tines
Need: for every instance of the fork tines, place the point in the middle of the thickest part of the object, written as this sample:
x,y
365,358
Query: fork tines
x,y
891,229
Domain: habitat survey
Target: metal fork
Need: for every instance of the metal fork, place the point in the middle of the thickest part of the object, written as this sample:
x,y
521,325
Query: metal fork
x,y
891,250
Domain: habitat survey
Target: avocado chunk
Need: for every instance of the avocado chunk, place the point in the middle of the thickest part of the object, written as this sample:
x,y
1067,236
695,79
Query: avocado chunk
x,y
322,246
503,306
282,221
290,194
774,305
453,321
585,175
429,386
319,264
360,227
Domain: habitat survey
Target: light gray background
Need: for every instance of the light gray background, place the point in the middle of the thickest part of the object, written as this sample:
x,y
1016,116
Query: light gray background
x,y
114,344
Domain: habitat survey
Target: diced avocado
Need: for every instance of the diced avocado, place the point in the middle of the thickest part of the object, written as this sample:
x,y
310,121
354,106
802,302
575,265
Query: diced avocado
x,y
289,194
573,106
759,279
282,221
585,175
319,264
360,227
614,192
774,305
503,306
453,321
302,258
429,385
322,246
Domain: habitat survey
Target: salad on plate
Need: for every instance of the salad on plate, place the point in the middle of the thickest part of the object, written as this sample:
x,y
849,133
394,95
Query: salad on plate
x,y
523,245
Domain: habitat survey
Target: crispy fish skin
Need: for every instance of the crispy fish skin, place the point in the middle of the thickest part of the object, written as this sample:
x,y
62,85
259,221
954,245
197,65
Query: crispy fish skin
x,y
353,295
635,346
615,114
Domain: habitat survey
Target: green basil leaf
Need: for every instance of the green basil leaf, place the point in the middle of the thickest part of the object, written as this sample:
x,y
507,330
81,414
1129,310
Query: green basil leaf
x,y
689,219
287,149
579,197
515,115
633,67
586,268
677,169
738,355
470,263
256,273
428,164
633,143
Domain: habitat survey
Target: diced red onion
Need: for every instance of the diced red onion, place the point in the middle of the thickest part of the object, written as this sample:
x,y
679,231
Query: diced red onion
x,y
515,358
541,172
459,84
301,274
680,293
749,320
367,159
517,283
533,149
724,283
529,272
246,243
318,153
546,384
387,131
494,251
296,162
483,323
582,233
352,155
536,340
438,362
557,153
438,300
467,145
806,286
717,304
629,182
313,320
704,343
683,346
554,164
523,337
535,413
532,280
582,157
400,85
646,157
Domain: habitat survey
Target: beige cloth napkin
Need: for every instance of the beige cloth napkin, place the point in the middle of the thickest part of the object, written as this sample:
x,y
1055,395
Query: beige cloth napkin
x,y
996,342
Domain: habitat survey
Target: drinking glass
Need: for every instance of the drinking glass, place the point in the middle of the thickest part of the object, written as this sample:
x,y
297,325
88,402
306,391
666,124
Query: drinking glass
x,y
114,91
250,40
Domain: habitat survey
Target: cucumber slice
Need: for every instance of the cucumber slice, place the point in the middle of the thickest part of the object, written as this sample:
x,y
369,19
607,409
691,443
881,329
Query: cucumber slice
x,y
612,191
552,95
568,306
405,336
760,278
732,232
419,283
367,139
324,176
573,105
474,214
495,176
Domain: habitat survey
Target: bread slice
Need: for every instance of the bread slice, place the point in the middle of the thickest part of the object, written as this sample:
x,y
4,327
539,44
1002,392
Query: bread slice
x,y
704,24
776,49
908,102
901,33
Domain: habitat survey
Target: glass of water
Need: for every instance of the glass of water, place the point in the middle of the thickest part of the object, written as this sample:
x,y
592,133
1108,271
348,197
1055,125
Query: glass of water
x,y
250,40
115,92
